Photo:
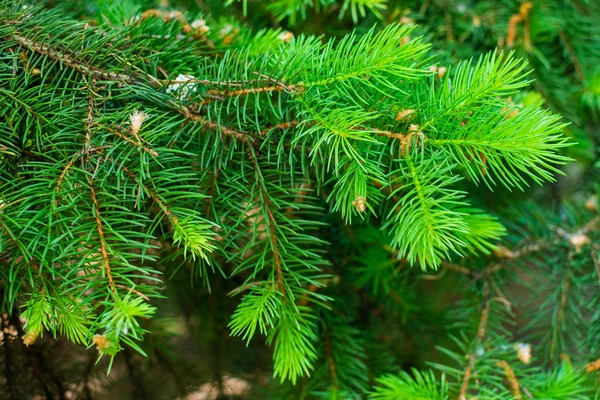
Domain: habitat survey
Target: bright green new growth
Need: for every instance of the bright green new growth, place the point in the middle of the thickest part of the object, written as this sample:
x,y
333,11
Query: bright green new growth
x,y
122,153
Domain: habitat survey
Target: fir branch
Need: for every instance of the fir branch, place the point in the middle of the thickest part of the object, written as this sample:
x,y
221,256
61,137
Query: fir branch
x,y
70,61
103,248
513,383
239,135
270,220
222,95
138,144
558,323
330,360
572,55
481,332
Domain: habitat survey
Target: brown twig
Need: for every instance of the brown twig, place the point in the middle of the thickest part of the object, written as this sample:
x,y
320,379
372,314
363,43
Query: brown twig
x,y
140,145
76,157
104,250
460,269
572,55
513,383
485,312
282,125
215,95
90,115
466,379
481,332
330,360
271,222
241,136
244,287
515,19
69,61
152,195
132,290
593,366
561,307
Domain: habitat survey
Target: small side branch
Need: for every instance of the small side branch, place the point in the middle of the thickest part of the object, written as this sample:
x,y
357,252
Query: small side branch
x,y
241,136
564,295
140,145
483,321
513,383
521,17
271,223
70,61
152,195
77,156
481,332
283,125
593,366
215,95
330,360
137,292
104,250
572,55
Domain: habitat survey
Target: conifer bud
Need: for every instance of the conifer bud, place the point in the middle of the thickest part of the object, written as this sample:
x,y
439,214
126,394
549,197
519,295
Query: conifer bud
x,y
414,128
407,20
183,88
30,337
360,203
405,114
136,119
286,36
440,71
593,366
592,203
102,343
578,240
228,33
199,25
503,252
523,352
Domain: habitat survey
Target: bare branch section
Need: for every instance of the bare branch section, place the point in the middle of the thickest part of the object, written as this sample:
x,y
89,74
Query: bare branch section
x,y
331,361
513,383
272,223
239,135
152,195
481,332
593,366
70,61
215,95
148,150
103,248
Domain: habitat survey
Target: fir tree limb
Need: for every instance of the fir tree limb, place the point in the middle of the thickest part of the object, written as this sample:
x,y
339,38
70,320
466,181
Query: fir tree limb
x,y
572,55
103,248
70,61
513,383
140,145
271,222
330,360
557,325
222,95
241,136
481,332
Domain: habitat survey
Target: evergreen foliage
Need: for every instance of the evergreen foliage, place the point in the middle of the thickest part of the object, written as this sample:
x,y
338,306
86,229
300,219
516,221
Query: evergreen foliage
x,y
306,196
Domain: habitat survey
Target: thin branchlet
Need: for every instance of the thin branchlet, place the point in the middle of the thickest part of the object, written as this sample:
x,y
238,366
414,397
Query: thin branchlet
x,y
70,61
102,239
